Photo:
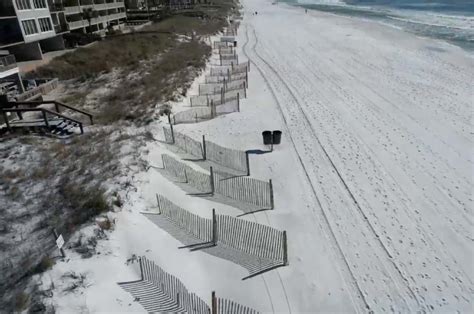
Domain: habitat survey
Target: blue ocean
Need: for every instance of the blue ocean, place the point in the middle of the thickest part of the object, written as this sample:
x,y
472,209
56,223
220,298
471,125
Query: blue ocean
x,y
449,20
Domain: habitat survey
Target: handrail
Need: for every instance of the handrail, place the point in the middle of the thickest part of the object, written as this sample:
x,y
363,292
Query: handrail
x,y
44,111
56,104
39,90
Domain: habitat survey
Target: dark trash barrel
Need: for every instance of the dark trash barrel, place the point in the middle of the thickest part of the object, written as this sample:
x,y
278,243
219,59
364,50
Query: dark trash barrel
x,y
276,137
235,43
267,137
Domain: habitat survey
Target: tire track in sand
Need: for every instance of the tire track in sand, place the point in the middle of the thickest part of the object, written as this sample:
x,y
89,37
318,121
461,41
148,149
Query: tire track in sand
x,y
375,259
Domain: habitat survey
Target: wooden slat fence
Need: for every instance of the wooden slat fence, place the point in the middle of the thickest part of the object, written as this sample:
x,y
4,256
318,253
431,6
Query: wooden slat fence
x,y
254,246
193,115
218,88
158,291
184,142
220,44
226,50
225,306
227,78
234,69
244,189
227,157
228,107
207,100
227,39
251,238
194,225
199,114
185,174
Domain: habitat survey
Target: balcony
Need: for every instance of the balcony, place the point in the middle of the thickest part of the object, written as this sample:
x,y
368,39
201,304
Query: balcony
x,y
117,16
7,63
6,9
55,7
77,24
61,28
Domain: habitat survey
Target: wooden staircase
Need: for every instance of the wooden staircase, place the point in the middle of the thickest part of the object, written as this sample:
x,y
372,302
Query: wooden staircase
x,y
34,117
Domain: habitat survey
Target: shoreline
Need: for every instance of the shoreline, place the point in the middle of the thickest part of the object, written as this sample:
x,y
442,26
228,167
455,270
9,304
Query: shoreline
x,y
391,20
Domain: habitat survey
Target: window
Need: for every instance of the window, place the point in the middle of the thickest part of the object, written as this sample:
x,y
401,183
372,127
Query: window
x,y
29,27
39,4
45,24
23,4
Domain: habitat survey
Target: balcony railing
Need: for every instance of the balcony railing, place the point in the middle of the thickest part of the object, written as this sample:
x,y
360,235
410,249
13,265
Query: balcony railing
x,y
7,63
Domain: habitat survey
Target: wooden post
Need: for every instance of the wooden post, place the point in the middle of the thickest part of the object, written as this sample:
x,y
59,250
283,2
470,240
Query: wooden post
x,y
171,128
5,117
213,109
272,200
56,106
81,128
56,236
238,102
214,303
45,118
247,76
158,202
285,249
204,153
247,160
214,227
212,180
140,263
185,176
248,67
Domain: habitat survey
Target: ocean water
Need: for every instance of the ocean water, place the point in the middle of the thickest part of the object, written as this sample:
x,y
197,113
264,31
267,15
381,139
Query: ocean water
x,y
449,20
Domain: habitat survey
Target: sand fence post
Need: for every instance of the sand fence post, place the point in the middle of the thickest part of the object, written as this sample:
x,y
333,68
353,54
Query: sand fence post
x,y
204,151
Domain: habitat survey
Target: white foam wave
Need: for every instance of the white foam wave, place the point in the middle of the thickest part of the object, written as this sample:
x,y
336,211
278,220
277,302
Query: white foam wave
x,y
327,2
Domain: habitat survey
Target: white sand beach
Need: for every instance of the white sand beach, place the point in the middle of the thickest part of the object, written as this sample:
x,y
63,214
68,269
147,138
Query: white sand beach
x,y
373,180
